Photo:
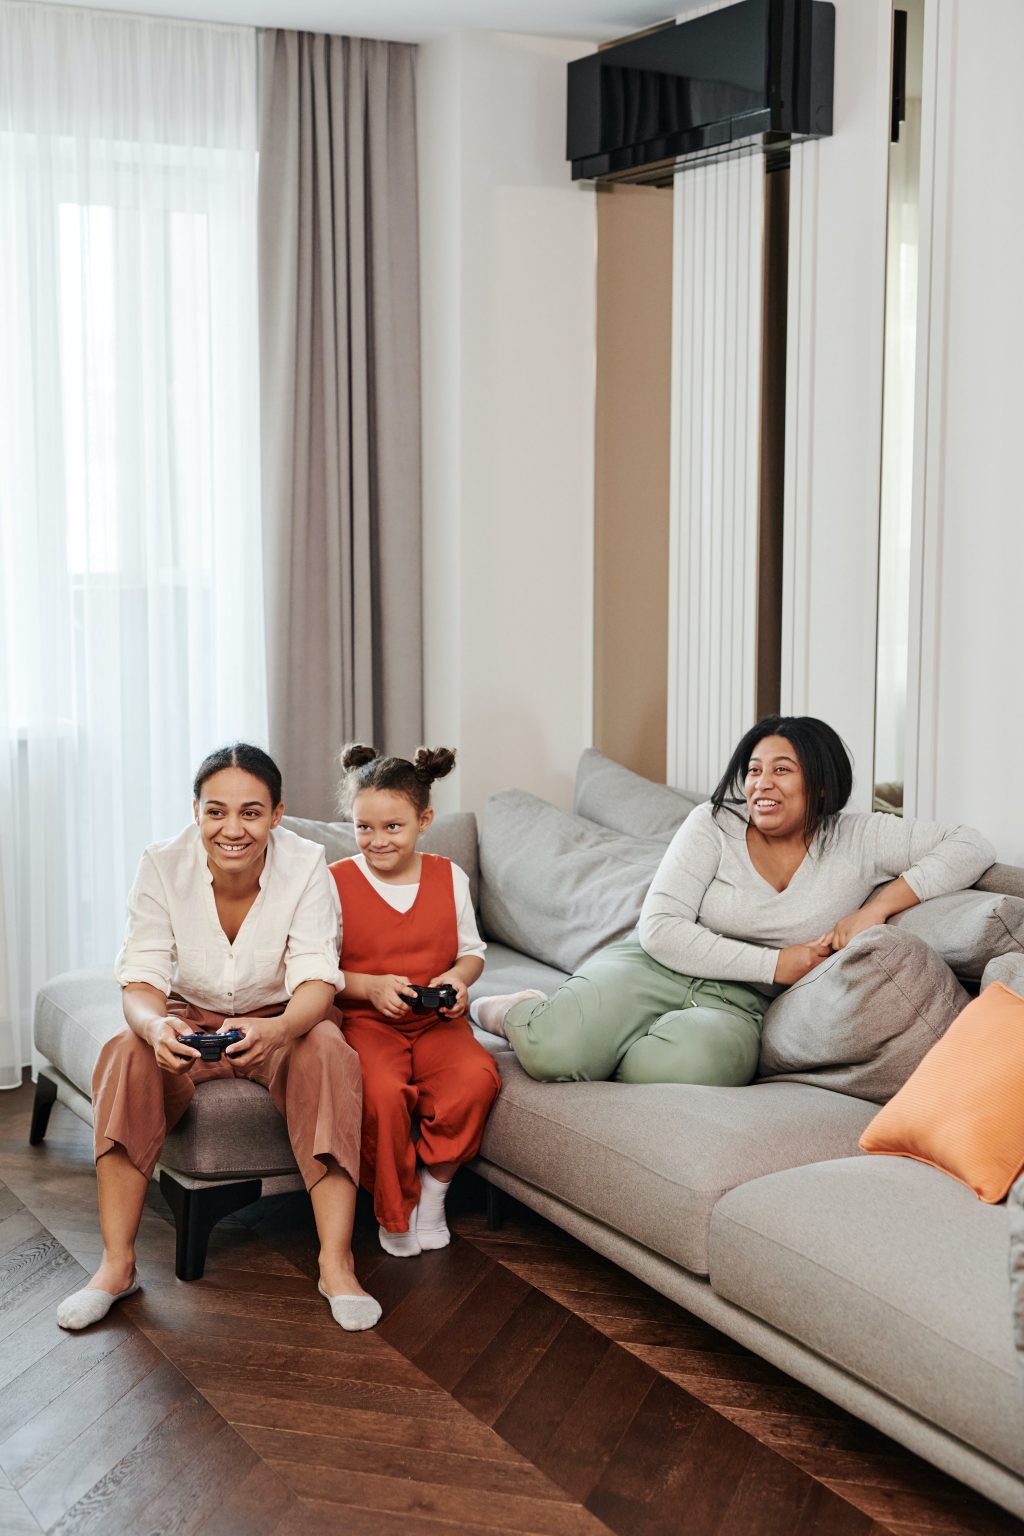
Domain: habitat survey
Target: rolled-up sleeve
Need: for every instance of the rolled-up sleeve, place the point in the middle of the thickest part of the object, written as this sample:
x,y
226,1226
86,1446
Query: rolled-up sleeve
x,y
147,954
311,953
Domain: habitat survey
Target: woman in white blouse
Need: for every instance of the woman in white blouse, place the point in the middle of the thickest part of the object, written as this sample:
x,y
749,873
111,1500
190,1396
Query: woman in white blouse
x,y
233,924
757,887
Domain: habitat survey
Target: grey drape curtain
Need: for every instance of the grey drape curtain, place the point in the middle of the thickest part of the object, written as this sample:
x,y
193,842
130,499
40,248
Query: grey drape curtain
x,y
339,366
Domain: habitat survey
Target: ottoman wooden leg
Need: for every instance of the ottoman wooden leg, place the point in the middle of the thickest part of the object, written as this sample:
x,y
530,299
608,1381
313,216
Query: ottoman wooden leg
x,y
46,1097
196,1212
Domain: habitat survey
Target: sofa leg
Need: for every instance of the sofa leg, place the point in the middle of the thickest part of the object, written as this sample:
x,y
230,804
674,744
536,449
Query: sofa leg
x,y
46,1097
495,1208
196,1212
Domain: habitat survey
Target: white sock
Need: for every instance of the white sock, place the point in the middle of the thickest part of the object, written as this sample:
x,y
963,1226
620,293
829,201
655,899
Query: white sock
x,y
489,1012
404,1245
431,1227
89,1306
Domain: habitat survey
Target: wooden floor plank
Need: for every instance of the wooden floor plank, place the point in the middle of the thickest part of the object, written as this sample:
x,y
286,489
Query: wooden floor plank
x,y
400,1495
419,1433
443,1467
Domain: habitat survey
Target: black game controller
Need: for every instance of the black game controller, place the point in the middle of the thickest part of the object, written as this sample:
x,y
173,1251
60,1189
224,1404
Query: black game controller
x,y
430,999
212,1047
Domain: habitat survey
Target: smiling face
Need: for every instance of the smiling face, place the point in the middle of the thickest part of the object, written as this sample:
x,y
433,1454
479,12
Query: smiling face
x,y
774,789
235,818
387,825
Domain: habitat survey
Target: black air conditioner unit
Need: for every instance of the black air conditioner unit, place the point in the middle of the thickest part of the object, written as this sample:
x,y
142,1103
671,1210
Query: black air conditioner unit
x,y
752,76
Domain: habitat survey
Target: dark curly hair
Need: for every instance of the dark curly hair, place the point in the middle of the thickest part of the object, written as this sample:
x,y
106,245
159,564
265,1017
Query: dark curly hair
x,y
824,760
363,769
241,754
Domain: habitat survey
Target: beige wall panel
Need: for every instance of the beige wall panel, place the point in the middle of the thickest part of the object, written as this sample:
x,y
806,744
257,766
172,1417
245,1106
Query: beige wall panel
x,y
634,368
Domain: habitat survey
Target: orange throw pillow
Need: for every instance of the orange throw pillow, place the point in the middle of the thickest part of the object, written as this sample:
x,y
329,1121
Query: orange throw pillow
x,y
962,1108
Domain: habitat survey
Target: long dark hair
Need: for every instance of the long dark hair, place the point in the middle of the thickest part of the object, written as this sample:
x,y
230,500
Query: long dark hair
x,y
824,760
363,769
242,754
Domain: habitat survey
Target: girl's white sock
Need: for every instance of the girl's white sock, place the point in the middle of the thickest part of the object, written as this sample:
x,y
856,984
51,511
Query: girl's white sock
x,y
431,1227
404,1245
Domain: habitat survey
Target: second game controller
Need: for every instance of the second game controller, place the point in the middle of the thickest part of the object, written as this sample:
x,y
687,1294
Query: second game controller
x,y
430,999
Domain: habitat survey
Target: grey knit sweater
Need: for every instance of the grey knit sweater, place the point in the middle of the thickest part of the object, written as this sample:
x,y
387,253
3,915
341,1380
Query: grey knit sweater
x,y
709,913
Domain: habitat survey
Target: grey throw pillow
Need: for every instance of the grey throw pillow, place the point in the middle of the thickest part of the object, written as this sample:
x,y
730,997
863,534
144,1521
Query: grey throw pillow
x,y
967,928
626,802
556,886
452,835
860,1022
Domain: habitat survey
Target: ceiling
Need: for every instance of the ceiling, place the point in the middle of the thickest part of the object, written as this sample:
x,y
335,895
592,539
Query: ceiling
x,y
417,21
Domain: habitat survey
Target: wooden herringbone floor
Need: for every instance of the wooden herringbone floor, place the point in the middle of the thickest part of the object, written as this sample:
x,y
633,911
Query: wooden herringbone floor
x,y
516,1384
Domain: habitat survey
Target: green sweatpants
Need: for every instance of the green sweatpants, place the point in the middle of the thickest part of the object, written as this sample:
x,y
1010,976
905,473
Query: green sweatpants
x,y
625,1016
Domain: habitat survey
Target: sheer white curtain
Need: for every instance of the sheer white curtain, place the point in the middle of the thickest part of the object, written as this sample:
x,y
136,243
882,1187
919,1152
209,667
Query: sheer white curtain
x,y
131,621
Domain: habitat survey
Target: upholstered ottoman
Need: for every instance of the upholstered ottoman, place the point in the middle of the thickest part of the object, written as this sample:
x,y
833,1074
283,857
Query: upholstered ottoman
x,y
229,1148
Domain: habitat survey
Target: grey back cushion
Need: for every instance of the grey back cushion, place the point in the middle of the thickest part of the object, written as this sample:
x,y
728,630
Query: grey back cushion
x,y
557,886
452,835
967,928
1015,1208
626,802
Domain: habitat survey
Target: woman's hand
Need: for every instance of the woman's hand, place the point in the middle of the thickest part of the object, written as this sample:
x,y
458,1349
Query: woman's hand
x,y
261,1037
171,1055
796,960
388,995
849,926
452,979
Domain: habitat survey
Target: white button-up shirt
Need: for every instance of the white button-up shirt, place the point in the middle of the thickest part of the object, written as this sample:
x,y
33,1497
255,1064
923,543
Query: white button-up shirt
x,y
175,941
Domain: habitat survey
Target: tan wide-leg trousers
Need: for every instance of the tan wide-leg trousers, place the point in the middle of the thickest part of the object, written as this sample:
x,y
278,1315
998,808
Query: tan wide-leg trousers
x,y
314,1081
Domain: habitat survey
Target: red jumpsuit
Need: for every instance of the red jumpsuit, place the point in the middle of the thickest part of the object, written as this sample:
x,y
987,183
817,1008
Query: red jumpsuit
x,y
424,1065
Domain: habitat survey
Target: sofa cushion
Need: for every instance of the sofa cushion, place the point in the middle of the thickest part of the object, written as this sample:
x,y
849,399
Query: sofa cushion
x,y
862,1020
624,801
76,1014
968,928
651,1160
557,886
962,1109
452,835
231,1130
891,1271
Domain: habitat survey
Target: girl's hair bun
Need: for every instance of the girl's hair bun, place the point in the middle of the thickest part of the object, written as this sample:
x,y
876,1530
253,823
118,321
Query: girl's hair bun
x,y
430,763
354,755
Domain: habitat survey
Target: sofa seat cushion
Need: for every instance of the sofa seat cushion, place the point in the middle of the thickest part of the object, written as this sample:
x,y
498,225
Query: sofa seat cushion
x,y
231,1130
76,1014
891,1271
651,1160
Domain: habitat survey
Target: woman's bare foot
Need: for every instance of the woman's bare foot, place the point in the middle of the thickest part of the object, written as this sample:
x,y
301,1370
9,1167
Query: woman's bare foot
x,y
489,1012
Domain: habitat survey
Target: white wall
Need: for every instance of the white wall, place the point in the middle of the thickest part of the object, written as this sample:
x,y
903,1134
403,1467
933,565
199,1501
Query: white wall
x,y
835,323
508,302
965,696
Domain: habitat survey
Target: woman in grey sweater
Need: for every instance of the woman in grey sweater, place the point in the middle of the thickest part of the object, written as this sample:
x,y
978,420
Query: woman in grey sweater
x,y
759,885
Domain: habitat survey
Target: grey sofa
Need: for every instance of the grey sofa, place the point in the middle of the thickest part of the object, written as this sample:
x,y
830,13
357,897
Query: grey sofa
x,y
877,1281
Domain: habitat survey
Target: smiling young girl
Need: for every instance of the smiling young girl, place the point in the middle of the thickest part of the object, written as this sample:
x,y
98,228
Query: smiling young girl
x,y
407,920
